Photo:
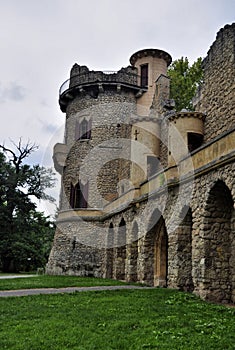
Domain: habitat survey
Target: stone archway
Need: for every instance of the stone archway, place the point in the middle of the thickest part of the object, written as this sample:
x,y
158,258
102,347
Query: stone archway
x,y
219,243
183,261
161,256
110,252
121,251
155,252
132,254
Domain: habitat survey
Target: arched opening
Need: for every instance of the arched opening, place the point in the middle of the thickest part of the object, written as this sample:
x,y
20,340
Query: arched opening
x,y
79,195
161,256
219,244
132,254
144,75
110,252
83,129
194,141
156,252
121,251
184,252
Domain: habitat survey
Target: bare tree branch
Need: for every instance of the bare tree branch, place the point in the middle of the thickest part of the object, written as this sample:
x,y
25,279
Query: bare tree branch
x,y
23,150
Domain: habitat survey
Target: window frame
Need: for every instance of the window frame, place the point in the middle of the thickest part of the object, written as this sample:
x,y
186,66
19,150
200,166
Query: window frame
x,y
194,141
144,75
83,129
79,196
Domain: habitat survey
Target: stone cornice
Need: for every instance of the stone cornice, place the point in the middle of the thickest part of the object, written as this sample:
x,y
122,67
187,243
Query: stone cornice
x,y
139,119
151,52
187,114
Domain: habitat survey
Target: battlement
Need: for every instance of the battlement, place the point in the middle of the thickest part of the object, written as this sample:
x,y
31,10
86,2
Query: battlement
x,y
83,80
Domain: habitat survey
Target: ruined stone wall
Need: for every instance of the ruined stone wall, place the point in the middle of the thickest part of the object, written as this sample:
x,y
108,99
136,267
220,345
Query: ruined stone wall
x,y
200,248
213,235
217,94
72,254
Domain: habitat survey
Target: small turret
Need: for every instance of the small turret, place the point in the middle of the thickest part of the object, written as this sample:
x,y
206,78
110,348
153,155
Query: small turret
x,y
186,131
150,63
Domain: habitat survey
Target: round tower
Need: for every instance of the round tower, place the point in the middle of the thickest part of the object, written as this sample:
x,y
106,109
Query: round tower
x,y
98,107
150,65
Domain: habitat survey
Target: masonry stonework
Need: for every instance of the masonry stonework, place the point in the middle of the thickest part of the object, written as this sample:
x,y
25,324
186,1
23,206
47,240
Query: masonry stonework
x,y
217,94
148,194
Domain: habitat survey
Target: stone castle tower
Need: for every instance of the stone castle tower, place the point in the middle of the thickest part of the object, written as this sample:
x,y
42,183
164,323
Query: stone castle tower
x,y
147,193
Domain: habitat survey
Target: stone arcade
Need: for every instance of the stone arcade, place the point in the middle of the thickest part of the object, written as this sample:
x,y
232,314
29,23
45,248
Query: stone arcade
x,y
148,194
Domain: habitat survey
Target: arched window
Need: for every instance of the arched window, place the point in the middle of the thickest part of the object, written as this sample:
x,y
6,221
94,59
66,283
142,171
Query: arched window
x,y
79,195
83,129
144,75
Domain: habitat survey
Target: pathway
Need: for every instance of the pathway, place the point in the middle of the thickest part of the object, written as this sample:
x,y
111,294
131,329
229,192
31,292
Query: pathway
x,y
24,292
3,277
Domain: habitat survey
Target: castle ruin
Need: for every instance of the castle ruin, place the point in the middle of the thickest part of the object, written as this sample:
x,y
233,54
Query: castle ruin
x,y
148,194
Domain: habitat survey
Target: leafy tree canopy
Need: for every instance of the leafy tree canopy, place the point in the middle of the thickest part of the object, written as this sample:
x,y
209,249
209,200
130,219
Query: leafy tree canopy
x,y
184,81
24,232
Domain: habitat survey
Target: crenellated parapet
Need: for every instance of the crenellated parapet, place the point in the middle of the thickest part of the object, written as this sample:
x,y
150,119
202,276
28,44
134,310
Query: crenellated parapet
x,y
82,81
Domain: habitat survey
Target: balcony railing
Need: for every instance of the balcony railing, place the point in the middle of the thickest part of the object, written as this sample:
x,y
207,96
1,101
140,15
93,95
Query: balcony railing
x,y
100,77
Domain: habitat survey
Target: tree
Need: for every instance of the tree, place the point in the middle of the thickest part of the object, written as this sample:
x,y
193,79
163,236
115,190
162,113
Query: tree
x,y
20,223
184,81
31,245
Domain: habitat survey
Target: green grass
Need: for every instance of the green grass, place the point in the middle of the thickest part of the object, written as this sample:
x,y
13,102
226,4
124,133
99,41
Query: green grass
x,y
45,281
127,319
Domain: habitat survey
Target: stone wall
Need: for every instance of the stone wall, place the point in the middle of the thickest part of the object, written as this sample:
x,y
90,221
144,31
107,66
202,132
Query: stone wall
x,y
214,234
217,94
199,255
72,255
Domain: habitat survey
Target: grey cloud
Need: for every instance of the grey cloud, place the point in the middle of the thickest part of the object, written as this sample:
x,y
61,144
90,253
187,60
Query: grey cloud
x,y
12,92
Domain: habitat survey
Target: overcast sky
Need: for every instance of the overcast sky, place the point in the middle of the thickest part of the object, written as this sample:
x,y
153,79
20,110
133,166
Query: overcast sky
x,y
41,39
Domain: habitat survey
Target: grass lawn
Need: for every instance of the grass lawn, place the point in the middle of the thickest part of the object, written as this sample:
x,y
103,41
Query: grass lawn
x,y
127,319
44,281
